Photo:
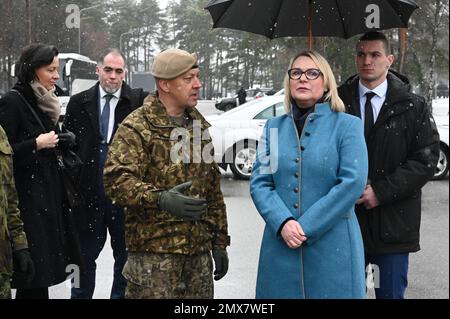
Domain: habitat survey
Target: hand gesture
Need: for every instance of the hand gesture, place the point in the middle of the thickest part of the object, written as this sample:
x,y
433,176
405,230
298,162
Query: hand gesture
x,y
47,140
293,234
185,207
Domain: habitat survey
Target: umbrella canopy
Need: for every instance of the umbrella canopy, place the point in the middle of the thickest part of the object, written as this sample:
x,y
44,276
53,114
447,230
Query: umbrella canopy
x,y
294,18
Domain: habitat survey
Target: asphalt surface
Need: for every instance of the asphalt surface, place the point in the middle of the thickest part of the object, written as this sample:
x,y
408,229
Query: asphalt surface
x,y
429,268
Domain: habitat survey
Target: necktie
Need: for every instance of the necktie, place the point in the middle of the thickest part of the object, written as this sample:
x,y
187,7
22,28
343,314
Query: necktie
x,y
368,117
104,119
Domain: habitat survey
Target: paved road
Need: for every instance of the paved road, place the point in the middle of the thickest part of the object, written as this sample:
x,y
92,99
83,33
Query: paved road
x,y
429,268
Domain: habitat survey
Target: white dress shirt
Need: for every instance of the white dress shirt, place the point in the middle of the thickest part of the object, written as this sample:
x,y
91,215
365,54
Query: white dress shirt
x,y
377,100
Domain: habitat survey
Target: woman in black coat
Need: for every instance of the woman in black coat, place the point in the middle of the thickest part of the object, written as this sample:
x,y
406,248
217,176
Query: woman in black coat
x,y
48,221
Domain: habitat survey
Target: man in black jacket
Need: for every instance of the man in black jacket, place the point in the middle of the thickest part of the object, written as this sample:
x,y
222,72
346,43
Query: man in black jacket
x,y
403,146
93,115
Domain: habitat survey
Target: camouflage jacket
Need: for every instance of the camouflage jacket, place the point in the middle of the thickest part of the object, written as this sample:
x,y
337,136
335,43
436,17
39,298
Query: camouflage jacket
x,y
12,236
139,167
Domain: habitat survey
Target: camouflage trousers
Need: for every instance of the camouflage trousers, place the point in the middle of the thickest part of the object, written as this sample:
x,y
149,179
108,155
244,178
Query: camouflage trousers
x,y
5,286
168,276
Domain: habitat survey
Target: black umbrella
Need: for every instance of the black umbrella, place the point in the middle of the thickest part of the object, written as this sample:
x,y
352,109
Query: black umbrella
x,y
294,18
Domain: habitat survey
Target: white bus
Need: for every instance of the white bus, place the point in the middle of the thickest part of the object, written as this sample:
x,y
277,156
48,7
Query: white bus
x,y
76,74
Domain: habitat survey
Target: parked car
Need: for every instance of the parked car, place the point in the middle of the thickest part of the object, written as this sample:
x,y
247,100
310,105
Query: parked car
x,y
442,165
227,104
440,114
235,135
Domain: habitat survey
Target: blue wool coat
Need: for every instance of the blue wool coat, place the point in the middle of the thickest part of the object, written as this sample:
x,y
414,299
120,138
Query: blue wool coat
x,y
316,179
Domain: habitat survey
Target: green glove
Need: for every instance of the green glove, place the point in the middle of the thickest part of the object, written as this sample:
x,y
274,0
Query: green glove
x,y
221,261
185,207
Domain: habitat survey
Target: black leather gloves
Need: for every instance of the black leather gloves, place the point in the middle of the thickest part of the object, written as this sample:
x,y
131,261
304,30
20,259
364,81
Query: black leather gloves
x,y
221,262
185,207
23,266
66,139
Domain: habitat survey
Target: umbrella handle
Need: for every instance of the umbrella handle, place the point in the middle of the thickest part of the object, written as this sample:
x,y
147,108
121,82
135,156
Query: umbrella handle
x,y
310,15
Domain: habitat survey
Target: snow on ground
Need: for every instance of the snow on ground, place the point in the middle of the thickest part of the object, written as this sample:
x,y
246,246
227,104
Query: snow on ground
x,y
440,111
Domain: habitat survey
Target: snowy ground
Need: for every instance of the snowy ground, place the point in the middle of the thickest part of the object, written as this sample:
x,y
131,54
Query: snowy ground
x,y
440,110
440,106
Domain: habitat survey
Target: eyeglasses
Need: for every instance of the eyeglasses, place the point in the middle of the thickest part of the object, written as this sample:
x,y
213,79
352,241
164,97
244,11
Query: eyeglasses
x,y
311,74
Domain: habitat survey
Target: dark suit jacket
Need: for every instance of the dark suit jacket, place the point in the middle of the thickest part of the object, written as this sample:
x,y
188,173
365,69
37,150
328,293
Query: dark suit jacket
x,y
82,118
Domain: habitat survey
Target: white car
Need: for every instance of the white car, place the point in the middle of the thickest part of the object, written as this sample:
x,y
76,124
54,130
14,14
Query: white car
x,y
440,114
442,165
235,135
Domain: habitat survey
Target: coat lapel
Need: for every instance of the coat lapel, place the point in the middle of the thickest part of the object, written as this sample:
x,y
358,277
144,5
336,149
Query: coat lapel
x,y
123,107
90,103
353,107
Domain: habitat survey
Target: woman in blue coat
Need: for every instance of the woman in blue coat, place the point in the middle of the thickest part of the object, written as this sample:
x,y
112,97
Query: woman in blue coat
x,y
310,170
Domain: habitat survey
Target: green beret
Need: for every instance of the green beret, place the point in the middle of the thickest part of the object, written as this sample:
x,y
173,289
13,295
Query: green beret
x,y
171,63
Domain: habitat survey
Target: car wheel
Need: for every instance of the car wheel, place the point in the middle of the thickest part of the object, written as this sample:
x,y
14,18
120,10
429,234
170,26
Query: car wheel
x,y
243,159
442,165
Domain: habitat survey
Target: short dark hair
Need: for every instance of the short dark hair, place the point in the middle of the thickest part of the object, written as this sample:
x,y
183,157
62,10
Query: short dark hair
x,y
33,57
108,51
377,36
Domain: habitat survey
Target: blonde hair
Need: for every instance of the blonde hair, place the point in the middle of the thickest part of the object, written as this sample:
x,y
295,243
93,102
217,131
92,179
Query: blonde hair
x,y
329,82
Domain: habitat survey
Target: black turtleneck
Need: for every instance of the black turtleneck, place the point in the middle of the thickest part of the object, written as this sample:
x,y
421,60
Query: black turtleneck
x,y
300,115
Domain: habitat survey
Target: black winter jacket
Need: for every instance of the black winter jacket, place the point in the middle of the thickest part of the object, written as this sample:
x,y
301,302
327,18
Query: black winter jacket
x,y
403,149
48,221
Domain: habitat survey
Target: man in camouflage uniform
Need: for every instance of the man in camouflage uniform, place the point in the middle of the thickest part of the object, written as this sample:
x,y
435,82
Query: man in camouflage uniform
x,y
13,242
160,168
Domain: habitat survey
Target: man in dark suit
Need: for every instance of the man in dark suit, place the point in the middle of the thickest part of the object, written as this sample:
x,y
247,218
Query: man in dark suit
x,y
93,115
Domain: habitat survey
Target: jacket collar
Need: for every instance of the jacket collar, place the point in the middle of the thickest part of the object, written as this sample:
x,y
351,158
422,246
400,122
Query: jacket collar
x,y
320,109
90,102
398,89
125,92
157,116
27,92
93,93
398,93
380,90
